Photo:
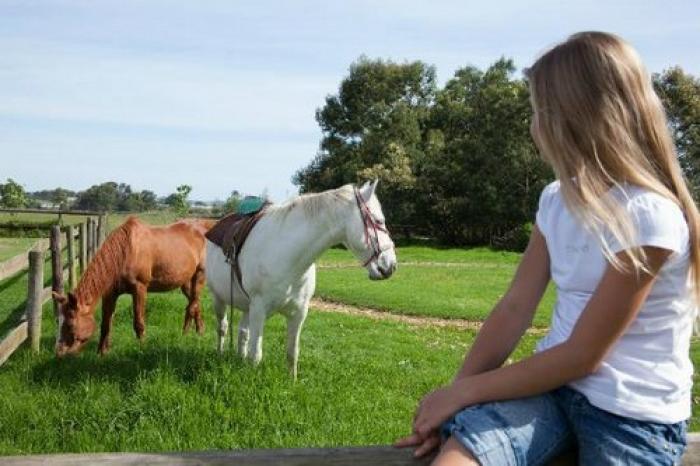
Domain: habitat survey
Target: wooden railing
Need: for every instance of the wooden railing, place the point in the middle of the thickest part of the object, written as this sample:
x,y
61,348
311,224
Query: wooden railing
x,y
81,243
344,456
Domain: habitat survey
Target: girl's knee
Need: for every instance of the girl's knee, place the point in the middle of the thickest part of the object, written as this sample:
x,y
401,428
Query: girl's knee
x,y
454,453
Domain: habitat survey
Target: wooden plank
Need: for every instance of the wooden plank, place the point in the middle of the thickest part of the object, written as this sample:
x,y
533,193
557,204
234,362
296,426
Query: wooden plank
x,y
51,211
13,266
82,242
56,267
70,242
11,343
344,456
387,456
101,226
35,287
16,264
90,239
46,294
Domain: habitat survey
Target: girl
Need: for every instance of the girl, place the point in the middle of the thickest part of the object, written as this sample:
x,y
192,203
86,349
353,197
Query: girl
x,y
618,234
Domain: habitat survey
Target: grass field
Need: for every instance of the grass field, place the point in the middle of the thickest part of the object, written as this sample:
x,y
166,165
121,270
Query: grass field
x,y
10,247
176,393
448,283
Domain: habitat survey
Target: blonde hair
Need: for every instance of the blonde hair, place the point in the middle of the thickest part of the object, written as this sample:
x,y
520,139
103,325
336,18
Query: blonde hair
x,y
599,124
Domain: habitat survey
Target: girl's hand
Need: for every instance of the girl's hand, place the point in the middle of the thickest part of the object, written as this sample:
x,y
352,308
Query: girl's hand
x,y
434,409
423,445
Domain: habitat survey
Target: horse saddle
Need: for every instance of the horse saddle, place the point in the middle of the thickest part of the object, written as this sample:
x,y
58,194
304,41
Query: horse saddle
x,y
231,232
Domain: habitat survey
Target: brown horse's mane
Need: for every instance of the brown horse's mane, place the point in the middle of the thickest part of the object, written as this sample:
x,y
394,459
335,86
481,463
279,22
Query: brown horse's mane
x,y
104,269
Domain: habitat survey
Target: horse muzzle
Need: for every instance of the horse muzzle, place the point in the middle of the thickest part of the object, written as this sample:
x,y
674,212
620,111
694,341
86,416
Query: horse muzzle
x,y
384,267
63,350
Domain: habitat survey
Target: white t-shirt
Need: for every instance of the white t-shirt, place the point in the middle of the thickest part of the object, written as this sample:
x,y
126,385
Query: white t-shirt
x,y
648,373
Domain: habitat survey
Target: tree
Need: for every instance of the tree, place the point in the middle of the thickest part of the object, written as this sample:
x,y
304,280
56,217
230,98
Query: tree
x,y
680,94
100,197
231,204
482,173
372,128
12,194
178,200
60,198
149,200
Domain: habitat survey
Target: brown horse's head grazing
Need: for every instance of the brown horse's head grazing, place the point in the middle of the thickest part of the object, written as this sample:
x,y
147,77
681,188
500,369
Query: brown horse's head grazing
x,y
76,311
76,324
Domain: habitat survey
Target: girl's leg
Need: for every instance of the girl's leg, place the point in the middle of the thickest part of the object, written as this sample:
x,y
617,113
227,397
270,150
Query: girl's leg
x,y
605,438
453,453
523,432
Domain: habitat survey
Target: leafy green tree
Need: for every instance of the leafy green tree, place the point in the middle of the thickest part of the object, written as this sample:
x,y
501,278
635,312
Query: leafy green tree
x,y
99,197
680,94
372,128
12,194
149,200
231,204
482,174
178,200
60,198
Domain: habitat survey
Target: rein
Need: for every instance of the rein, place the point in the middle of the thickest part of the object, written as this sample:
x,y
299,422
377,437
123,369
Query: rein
x,y
370,225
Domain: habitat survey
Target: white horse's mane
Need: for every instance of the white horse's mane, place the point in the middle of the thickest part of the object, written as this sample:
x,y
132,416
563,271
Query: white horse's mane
x,y
313,203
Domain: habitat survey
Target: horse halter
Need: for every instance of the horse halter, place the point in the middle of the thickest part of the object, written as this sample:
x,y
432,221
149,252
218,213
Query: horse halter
x,y
370,225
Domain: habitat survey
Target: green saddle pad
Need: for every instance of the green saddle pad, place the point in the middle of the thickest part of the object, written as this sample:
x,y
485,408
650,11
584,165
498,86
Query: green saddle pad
x,y
250,205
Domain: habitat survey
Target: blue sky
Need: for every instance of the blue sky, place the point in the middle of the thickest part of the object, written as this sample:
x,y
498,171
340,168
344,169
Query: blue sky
x,y
221,95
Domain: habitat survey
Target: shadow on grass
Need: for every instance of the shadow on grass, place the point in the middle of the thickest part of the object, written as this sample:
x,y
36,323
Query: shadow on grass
x,y
12,320
12,281
126,367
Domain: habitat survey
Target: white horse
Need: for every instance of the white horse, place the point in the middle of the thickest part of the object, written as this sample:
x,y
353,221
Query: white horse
x,y
277,261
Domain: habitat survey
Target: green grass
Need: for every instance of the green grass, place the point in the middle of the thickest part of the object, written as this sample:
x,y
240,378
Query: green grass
x,y
10,247
157,217
416,253
41,218
176,393
448,283
359,379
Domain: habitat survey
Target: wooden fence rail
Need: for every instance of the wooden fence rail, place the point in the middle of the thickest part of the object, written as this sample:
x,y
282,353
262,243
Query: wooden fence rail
x,y
344,456
81,242
37,295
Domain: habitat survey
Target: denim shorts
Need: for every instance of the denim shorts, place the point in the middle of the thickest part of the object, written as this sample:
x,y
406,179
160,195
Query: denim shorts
x,y
532,431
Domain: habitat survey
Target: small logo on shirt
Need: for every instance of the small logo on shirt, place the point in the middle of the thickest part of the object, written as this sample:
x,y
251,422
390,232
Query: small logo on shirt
x,y
574,249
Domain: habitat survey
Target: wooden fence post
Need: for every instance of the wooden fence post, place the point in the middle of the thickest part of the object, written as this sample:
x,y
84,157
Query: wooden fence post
x,y
56,265
70,236
102,229
105,231
98,236
83,247
35,288
90,239
96,241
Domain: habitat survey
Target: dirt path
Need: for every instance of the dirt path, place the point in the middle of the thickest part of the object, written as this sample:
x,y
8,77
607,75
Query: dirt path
x,y
325,305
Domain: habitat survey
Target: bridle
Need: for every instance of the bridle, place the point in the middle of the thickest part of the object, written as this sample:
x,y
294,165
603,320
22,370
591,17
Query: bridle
x,y
370,226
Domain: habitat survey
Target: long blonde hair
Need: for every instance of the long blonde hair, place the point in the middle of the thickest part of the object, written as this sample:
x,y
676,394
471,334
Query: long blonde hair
x,y
599,123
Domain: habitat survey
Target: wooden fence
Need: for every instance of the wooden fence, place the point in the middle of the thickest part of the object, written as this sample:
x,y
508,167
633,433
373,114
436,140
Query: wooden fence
x,y
343,456
79,242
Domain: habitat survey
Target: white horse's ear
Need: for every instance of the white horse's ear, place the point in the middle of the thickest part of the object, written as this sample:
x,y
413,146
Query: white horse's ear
x,y
370,186
367,189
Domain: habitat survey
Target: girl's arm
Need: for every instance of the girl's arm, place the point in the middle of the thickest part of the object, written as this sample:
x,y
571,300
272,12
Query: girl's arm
x,y
504,327
513,314
611,309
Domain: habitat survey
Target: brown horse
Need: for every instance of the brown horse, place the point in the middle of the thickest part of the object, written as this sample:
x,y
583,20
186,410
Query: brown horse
x,y
135,258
